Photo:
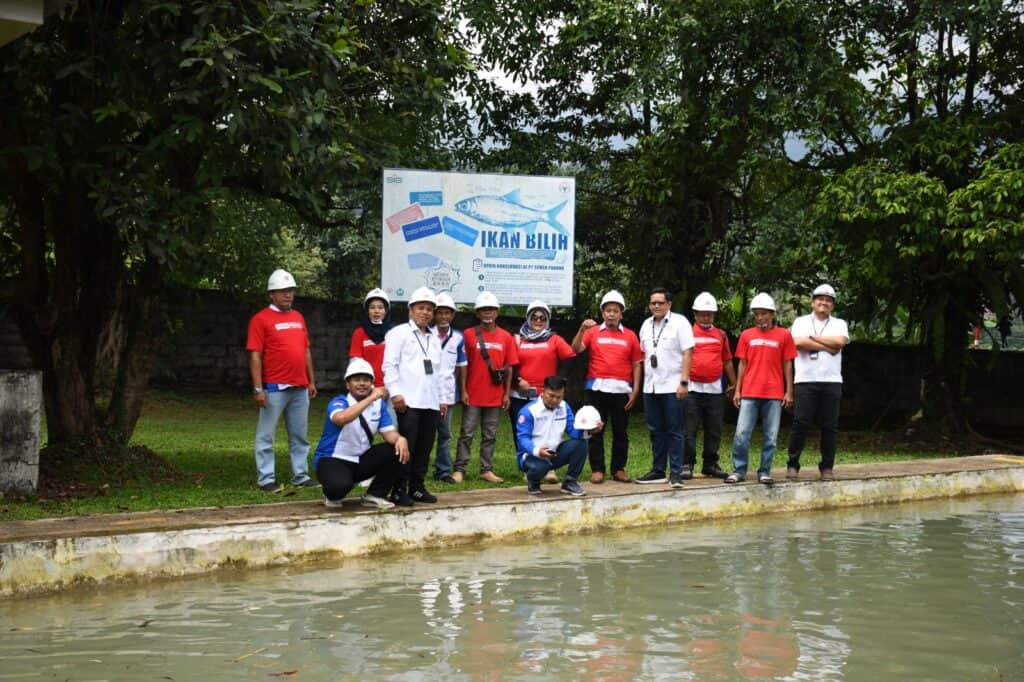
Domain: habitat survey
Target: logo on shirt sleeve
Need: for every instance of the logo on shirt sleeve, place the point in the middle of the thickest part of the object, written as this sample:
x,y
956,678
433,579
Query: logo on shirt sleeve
x,y
522,419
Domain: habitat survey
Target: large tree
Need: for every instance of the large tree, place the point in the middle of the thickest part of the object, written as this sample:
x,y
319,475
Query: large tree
x,y
127,123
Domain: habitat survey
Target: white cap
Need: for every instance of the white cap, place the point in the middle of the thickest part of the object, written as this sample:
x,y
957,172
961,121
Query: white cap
x,y
825,290
705,302
423,295
445,300
486,300
613,296
763,302
358,366
280,279
377,293
587,418
538,305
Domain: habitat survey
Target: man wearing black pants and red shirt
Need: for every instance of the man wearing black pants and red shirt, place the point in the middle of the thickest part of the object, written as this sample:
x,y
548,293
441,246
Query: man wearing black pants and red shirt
x,y
412,372
346,453
613,383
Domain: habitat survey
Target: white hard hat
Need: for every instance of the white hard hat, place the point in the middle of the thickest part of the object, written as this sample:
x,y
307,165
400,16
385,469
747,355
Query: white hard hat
x,y
613,296
377,293
763,301
825,290
423,295
538,305
705,302
486,300
280,279
587,418
444,300
358,366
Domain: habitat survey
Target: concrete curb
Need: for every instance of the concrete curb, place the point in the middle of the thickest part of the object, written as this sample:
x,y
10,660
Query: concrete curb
x,y
37,565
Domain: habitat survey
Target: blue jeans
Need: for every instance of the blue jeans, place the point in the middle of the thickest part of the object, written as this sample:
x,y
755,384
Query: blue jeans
x,y
752,409
443,458
293,403
665,415
572,452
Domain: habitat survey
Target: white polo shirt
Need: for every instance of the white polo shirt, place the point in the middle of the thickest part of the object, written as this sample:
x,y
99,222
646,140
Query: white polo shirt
x,y
405,349
826,368
668,340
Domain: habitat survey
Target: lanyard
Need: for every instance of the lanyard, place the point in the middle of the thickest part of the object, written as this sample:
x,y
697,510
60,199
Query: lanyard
x,y
664,324
817,332
417,337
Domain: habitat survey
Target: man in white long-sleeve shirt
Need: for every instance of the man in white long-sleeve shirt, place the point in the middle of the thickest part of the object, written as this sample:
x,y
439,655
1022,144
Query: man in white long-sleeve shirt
x,y
412,371
539,429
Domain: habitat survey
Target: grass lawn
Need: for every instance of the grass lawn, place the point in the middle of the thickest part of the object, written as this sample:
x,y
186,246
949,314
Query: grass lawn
x,y
207,439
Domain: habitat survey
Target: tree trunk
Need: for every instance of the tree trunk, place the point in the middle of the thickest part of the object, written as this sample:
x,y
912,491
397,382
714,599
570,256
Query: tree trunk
x,y
944,378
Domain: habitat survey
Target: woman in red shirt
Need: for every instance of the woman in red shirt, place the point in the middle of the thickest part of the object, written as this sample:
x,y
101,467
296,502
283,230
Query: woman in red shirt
x,y
368,338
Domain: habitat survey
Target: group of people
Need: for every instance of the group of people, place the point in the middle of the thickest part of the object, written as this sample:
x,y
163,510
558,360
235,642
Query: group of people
x,y
403,380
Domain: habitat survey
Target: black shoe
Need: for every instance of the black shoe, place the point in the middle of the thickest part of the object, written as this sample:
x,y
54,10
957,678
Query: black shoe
x,y
272,488
713,472
533,487
676,480
652,476
447,478
423,495
308,483
401,498
687,473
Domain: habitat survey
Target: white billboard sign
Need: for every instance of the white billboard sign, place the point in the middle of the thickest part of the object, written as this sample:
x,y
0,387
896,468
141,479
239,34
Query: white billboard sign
x,y
463,233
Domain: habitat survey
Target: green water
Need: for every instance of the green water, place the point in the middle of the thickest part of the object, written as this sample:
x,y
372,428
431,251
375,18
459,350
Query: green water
x,y
913,592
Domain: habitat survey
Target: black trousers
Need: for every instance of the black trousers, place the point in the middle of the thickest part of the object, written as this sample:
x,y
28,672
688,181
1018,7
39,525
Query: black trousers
x,y
612,407
815,401
419,426
703,409
338,476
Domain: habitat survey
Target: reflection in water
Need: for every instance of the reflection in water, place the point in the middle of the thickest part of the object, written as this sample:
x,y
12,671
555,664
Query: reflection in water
x,y
924,591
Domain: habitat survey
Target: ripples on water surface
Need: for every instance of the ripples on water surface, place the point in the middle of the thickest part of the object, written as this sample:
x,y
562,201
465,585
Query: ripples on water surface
x,y
914,592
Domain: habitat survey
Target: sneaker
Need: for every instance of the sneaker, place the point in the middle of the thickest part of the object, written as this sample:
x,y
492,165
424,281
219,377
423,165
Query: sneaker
x,y
551,477
447,479
827,475
734,478
533,487
766,479
792,474
272,487
571,487
369,500
401,498
308,483
423,495
713,472
676,480
366,483
334,504
652,476
687,473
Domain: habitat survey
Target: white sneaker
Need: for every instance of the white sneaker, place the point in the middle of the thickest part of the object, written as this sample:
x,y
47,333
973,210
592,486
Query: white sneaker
x,y
369,500
366,483
335,504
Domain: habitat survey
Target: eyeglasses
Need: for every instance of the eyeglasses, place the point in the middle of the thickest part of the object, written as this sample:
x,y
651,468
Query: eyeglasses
x,y
538,318
658,303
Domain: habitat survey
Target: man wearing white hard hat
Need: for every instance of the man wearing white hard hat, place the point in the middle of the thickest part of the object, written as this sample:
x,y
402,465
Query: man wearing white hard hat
x,y
705,406
666,339
412,376
283,382
818,383
453,365
539,429
614,374
764,385
486,386
346,452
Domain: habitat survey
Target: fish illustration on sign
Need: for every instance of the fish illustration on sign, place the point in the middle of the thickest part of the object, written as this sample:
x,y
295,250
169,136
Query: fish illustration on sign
x,y
509,213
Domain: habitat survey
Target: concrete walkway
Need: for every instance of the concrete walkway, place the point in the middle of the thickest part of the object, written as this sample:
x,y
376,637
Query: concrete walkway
x,y
52,553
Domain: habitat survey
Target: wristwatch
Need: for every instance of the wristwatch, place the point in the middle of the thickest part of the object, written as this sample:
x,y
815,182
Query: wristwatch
x,y
256,390
684,382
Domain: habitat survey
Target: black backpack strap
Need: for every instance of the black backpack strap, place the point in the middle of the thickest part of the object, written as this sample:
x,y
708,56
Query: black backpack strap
x,y
366,429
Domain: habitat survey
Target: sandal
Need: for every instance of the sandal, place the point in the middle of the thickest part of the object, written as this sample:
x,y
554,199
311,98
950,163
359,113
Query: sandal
x,y
733,478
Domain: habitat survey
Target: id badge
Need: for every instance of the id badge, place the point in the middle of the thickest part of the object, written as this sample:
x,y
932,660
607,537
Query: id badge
x,y
813,355
654,361
428,366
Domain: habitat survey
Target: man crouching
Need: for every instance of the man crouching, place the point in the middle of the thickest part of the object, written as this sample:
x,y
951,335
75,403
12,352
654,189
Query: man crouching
x,y
539,429
346,453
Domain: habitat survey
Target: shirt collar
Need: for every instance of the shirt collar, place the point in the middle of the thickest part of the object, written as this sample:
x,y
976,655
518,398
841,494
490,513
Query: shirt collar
x,y
605,327
415,329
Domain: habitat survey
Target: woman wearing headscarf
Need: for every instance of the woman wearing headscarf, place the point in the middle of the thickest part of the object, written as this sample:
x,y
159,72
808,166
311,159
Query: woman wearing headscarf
x,y
542,353
368,338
